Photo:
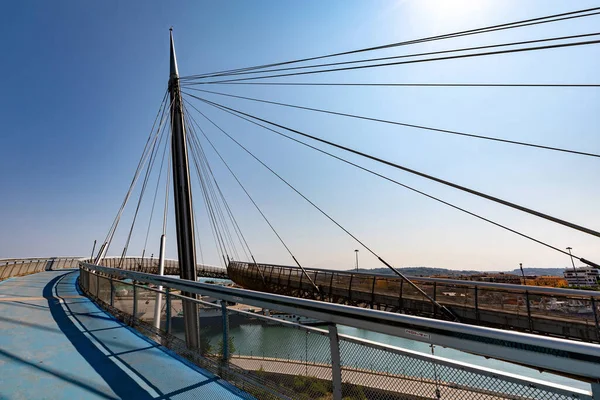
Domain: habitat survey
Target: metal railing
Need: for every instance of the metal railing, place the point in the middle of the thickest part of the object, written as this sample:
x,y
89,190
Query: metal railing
x,y
559,312
150,265
10,267
271,356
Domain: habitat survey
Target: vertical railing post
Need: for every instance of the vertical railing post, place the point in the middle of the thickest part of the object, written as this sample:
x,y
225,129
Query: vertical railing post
x,y
596,318
400,298
477,303
225,318
373,291
435,309
596,391
161,272
279,277
331,287
336,364
168,310
528,311
112,292
350,289
134,303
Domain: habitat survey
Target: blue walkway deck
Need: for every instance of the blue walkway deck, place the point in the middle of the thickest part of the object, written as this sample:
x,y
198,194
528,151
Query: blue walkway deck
x,y
56,344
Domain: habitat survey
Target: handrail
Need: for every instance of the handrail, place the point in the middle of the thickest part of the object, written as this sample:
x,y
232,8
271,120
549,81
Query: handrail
x,y
488,285
148,262
217,267
505,376
42,258
566,357
24,266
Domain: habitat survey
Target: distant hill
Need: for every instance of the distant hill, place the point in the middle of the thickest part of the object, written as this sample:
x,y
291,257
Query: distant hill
x,y
429,271
420,271
539,271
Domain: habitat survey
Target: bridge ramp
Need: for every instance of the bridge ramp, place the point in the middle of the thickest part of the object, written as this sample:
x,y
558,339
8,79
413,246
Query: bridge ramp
x,y
55,343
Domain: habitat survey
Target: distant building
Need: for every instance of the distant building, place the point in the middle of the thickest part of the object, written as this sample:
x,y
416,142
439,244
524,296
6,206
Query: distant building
x,y
498,278
488,277
581,276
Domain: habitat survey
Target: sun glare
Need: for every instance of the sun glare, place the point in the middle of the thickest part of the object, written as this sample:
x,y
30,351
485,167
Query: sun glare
x,y
446,14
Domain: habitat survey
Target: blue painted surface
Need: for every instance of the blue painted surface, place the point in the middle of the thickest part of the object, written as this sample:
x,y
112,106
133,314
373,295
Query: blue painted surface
x,y
55,344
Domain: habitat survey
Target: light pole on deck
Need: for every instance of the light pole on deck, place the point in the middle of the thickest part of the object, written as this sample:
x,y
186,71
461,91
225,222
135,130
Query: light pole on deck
x,y
356,252
522,273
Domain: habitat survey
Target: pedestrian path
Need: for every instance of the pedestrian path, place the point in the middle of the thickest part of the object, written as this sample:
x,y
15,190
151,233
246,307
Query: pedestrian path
x,y
56,344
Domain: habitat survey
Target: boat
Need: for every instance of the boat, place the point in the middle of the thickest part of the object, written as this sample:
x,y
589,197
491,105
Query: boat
x,y
298,319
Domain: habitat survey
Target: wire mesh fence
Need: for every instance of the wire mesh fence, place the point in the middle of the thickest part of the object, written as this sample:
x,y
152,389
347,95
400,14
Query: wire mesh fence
x,y
559,312
371,371
150,265
291,357
274,355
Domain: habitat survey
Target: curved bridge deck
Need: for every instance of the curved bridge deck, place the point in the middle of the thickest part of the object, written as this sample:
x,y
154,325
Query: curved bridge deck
x,y
56,344
566,313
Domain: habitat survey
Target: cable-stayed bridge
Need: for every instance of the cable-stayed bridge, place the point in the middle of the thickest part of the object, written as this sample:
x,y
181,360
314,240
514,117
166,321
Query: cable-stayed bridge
x,y
540,310
223,331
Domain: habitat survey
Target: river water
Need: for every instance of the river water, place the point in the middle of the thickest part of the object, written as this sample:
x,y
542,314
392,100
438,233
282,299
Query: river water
x,y
252,339
259,340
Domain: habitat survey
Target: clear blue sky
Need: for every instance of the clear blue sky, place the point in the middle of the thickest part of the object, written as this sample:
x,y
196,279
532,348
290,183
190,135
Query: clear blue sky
x,y
82,83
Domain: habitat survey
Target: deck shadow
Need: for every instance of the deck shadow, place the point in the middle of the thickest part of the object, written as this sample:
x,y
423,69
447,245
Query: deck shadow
x,y
119,382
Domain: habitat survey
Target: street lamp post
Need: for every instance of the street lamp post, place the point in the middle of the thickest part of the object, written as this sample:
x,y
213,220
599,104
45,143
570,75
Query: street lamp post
x,y
573,263
356,252
522,273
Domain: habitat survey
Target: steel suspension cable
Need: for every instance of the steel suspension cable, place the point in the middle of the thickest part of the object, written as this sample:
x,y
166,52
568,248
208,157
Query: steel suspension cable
x,y
218,245
421,174
199,241
167,189
492,28
416,84
219,241
195,217
432,300
160,170
407,55
237,230
142,192
132,184
255,205
423,60
149,143
408,187
211,184
362,117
